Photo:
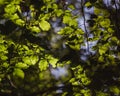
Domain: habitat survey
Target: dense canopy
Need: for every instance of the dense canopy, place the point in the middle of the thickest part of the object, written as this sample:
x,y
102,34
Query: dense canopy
x,y
59,48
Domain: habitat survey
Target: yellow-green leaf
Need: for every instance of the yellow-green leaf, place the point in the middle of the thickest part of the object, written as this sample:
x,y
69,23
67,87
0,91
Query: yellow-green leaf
x,y
88,4
33,59
4,57
43,64
105,23
44,25
66,19
35,29
2,2
10,8
26,60
115,90
19,73
21,65
20,22
101,59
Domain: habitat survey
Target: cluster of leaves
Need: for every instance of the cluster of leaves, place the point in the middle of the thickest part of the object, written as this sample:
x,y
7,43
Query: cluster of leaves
x,y
27,52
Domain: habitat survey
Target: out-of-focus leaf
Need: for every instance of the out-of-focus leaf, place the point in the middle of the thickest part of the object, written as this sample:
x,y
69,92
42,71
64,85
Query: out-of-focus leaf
x,y
30,60
66,31
88,4
71,7
20,22
10,8
103,49
26,60
97,11
21,65
19,73
43,64
59,12
33,59
35,29
115,90
4,57
105,23
6,65
101,58
75,47
66,19
2,2
52,60
2,48
44,25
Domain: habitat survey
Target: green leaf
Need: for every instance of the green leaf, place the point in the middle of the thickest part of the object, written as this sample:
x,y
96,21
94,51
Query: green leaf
x,y
59,12
20,22
2,48
79,32
26,60
33,59
73,22
114,39
21,65
19,73
35,29
102,50
66,31
25,47
4,57
48,1
105,23
75,47
110,30
52,60
43,64
66,19
45,17
55,6
115,90
101,58
44,25
14,17
70,21
6,65
30,60
2,2
71,7
16,1
100,93
10,8
97,11
2,39
88,4
18,8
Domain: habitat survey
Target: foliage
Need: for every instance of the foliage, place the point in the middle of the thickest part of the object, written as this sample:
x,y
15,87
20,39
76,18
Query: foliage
x,y
39,38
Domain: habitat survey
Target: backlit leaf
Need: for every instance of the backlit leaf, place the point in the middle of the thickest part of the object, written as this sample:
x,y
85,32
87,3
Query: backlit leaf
x,y
2,2
44,25
35,29
88,4
10,8
43,64
105,23
21,65
66,19
115,90
19,73
26,60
